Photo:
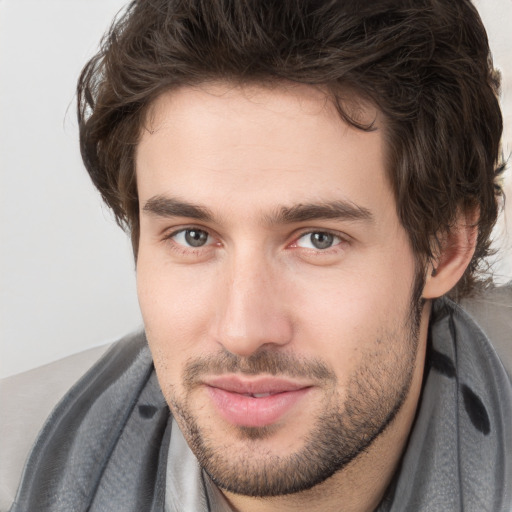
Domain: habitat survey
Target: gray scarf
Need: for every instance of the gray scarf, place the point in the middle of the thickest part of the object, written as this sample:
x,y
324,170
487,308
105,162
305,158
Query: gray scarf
x,y
111,444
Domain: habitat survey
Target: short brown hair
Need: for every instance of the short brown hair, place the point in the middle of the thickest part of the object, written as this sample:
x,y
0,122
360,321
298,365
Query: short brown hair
x,y
425,64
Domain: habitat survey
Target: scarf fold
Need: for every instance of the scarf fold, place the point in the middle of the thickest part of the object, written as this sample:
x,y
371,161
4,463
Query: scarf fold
x,y
104,447
459,453
111,444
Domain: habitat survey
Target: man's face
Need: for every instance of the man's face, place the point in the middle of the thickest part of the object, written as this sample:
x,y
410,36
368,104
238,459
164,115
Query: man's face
x,y
275,282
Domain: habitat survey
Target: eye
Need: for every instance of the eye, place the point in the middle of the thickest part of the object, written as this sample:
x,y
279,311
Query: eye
x,y
191,237
319,240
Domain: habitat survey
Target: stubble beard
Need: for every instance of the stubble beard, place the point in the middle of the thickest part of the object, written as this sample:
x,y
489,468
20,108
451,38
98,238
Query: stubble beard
x,y
342,431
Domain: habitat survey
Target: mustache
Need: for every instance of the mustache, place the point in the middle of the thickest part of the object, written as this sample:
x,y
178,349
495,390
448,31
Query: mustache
x,y
261,362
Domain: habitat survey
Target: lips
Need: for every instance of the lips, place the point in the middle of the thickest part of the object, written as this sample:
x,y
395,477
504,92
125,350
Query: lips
x,y
256,402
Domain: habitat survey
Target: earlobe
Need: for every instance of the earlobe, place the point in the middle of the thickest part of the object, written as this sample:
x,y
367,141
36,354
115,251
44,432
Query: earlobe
x,y
456,250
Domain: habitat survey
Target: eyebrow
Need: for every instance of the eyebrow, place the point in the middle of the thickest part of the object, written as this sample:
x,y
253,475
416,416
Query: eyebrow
x,y
338,210
163,206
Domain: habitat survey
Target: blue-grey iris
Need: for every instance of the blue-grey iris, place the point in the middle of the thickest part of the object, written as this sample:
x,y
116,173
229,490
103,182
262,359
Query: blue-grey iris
x,y
196,237
322,240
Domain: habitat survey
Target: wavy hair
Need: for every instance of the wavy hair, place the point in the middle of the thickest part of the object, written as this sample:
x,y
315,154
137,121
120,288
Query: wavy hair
x,y
425,64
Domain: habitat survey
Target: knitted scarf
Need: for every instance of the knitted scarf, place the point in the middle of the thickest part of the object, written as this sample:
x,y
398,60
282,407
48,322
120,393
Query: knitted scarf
x,y
111,443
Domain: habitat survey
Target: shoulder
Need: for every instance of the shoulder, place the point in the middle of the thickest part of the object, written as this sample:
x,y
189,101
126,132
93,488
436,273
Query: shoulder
x,y
27,400
491,309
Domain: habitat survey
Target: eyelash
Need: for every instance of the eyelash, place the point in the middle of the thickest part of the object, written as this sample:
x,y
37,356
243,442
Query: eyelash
x,y
183,249
333,248
189,250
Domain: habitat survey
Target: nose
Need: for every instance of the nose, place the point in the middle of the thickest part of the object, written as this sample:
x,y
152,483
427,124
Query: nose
x,y
251,311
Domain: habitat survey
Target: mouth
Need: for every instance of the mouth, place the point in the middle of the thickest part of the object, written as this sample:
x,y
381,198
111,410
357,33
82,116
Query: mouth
x,y
255,402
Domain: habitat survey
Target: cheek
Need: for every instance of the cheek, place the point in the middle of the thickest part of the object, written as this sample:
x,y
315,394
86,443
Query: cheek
x,y
174,305
172,309
346,314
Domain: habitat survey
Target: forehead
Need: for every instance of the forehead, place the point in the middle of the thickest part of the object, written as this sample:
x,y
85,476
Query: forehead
x,y
234,101
247,142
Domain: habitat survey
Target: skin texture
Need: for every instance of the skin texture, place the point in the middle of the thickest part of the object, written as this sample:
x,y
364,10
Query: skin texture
x,y
257,298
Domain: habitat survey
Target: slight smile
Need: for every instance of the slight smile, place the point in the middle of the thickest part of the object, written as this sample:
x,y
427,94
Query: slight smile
x,y
258,402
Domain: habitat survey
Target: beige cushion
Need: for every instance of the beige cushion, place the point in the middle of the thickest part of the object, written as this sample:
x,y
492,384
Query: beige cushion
x,y
26,400
492,311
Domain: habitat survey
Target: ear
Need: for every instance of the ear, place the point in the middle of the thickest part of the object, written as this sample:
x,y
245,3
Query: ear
x,y
455,252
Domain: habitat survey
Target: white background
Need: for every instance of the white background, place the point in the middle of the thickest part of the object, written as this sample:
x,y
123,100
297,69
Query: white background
x,y
67,278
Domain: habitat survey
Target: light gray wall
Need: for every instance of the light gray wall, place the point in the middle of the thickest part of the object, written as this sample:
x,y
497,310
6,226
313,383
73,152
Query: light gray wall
x,y
497,16
66,271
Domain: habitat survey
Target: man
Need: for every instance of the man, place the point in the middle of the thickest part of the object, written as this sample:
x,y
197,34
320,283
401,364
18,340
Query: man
x,y
304,183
